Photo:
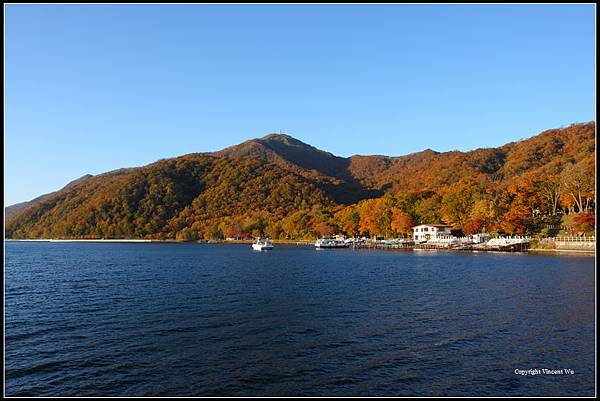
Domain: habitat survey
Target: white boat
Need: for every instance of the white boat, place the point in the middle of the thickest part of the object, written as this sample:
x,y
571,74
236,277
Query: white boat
x,y
261,245
331,243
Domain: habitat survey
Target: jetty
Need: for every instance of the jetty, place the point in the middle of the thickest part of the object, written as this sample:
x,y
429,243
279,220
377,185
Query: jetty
x,y
503,244
477,242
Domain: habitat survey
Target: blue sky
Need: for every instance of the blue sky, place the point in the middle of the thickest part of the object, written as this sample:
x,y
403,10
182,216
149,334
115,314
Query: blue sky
x,y
92,88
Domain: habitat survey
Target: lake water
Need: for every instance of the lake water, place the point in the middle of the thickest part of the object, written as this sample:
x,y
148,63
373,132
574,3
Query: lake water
x,y
86,319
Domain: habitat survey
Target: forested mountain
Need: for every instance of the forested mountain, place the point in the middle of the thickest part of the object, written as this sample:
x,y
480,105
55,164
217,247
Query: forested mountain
x,y
329,172
16,209
281,187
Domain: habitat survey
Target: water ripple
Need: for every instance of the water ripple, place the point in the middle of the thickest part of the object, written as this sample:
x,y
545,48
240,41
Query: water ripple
x,y
219,320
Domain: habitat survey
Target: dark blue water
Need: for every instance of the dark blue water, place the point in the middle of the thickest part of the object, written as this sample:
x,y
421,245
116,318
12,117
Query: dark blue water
x,y
218,320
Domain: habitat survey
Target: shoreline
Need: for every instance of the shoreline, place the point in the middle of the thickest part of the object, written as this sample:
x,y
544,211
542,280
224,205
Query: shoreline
x,y
157,241
563,250
80,240
284,242
170,241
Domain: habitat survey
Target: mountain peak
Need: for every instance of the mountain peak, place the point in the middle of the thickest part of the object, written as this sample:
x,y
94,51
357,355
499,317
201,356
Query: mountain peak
x,y
284,139
278,136
279,175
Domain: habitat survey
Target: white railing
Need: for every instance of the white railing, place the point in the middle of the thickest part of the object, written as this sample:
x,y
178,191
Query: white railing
x,y
502,241
572,239
443,240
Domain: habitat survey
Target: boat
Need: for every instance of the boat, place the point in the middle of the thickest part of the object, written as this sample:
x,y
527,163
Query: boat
x,y
355,242
331,243
261,245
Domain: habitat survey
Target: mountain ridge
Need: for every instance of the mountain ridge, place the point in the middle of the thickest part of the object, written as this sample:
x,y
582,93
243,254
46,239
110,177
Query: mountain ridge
x,y
13,210
173,195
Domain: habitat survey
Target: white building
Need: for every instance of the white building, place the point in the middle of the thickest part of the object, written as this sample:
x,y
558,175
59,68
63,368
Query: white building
x,y
425,232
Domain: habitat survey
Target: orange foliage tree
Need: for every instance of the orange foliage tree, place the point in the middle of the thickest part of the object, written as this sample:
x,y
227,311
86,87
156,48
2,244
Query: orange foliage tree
x,y
402,222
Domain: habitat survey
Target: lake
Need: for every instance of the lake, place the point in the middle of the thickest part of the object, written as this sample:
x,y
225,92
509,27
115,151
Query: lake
x,y
135,319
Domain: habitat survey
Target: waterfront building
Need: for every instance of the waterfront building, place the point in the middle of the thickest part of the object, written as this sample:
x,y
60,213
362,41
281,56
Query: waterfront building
x,y
425,232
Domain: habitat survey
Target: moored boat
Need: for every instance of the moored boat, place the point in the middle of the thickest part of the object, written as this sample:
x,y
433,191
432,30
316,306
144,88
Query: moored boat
x,y
331,243
261,245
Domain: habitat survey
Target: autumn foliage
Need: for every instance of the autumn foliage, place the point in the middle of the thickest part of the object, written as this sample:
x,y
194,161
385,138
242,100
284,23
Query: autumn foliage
x,y
279,187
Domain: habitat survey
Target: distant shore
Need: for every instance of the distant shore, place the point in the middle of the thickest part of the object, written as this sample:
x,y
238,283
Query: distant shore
x,y
276,242
83,240
280,242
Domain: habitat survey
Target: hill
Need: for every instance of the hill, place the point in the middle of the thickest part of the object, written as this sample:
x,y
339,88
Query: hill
x,y
14,210
279,186
329,172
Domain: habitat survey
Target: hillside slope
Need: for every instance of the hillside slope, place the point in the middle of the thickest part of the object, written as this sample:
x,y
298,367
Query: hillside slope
x,y
277,183
12,211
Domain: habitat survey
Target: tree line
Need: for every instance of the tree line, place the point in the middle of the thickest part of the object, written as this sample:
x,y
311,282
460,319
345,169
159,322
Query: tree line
x,y
538,186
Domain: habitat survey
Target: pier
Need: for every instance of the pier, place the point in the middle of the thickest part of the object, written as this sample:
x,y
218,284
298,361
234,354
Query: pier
x,y
501,244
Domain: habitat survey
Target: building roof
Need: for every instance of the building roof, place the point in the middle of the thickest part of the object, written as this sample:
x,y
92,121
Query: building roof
x,y
432,225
